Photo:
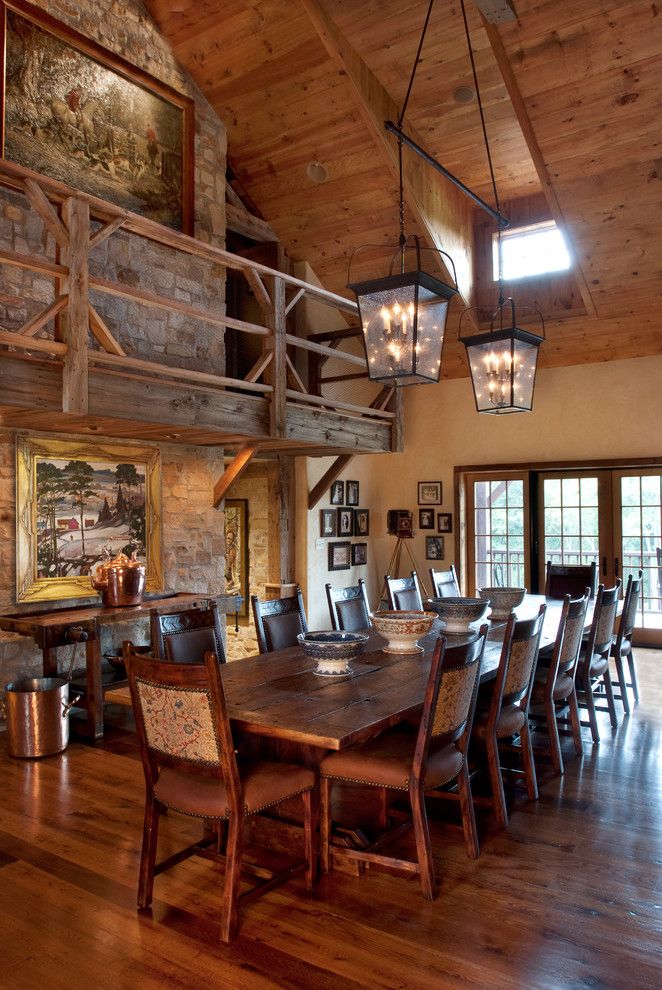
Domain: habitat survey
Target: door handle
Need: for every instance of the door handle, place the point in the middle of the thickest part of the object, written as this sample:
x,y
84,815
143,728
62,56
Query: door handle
x,y
616,565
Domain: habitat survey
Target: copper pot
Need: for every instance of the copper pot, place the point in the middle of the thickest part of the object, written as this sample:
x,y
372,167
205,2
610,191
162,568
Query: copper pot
x,y
120,581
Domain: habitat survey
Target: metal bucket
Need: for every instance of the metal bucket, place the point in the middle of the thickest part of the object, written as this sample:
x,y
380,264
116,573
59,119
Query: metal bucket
x,y
37,716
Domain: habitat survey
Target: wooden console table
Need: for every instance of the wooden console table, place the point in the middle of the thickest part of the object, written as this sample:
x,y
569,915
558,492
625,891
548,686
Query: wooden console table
x,y
66,627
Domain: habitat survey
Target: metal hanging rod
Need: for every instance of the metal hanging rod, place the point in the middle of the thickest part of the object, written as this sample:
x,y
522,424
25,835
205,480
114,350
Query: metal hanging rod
x,y
498,217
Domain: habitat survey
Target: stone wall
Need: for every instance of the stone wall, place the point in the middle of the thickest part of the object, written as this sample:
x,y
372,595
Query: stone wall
x,y
192,529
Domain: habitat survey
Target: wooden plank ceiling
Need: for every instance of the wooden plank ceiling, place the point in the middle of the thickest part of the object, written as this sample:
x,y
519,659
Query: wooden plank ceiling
x,y
282,75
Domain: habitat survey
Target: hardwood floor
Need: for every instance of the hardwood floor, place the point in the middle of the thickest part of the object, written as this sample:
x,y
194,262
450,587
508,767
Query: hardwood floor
x,y
570,896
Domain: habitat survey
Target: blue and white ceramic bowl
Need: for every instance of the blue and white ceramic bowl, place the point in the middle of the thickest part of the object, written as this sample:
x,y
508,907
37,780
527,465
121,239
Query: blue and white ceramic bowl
x,y
458,614
333,650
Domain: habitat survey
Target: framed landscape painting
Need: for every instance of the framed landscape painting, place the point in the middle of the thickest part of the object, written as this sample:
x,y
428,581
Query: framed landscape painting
x,y
78,504
78,113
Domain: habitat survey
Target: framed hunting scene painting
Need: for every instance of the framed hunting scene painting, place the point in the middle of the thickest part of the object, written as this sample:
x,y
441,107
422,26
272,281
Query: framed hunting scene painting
x,y
76,505
76,112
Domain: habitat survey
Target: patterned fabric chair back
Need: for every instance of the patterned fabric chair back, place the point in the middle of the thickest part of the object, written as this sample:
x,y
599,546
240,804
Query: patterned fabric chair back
x,y
279,622
631,604
404,594
602,630
458,688
348,607
572,633
445,583
522,658
185,637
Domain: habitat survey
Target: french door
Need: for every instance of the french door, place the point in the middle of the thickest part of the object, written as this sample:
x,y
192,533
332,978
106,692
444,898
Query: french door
x,y
612,517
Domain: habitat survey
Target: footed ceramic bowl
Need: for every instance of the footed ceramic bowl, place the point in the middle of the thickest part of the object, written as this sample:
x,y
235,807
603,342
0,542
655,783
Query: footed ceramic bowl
x,y
402,629
332,650
459,614
502,600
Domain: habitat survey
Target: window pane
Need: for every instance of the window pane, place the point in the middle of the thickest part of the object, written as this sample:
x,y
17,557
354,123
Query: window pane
x,y
631,521
630,491
498,494
589,521
570,522
589,491
570,491
650,490
481,493
552,521
515,493
552,491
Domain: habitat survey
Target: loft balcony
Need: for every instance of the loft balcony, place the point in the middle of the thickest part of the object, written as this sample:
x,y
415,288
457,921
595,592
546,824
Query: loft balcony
x,y
77,363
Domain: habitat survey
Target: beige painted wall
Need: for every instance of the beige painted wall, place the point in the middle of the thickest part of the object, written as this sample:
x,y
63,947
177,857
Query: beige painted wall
x,y
606,410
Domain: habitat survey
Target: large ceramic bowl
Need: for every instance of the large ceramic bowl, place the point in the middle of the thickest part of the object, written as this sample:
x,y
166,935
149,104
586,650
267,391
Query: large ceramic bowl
x,y
402,629
332,650
502,600
458,614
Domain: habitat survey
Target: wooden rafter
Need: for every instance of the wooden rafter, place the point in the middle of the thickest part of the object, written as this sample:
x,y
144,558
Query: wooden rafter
x,y
327,479
441,210
524,120
259,290
47,213
260,365
103,334
293,375
104,232
233,471
294,300
34,325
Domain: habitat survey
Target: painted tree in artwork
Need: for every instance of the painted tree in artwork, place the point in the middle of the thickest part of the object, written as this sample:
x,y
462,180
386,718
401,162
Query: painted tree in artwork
x,y
51,486
78,478
126,474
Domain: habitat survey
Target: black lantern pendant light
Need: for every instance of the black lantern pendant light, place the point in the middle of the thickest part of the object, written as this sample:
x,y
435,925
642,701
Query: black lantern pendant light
x,y
503,360
403,315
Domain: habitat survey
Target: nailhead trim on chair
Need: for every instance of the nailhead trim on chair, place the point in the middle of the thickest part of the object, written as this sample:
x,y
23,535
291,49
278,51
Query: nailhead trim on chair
x,y
391,787
247,813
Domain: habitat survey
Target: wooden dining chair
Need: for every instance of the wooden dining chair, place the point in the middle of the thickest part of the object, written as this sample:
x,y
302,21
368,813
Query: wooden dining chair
x,y
190,767
185,636
508,712
278,622
571,579
621,650
445,583
555,685
404,594
593,672
416,761
348,607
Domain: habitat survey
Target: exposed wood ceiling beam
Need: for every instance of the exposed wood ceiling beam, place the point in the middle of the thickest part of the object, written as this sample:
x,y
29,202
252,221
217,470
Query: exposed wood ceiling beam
x,y
440,209
508,76
327,479
233,472
497,11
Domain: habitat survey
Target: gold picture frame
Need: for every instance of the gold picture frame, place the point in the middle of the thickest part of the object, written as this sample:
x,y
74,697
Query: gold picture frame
x,y
108,492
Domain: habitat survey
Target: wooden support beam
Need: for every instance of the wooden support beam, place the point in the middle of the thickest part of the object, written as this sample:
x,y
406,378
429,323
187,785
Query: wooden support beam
x,y
294,300
185,374
259,290
537,158
278,366
397,426
293,376
327,479
47,213
259,366
104,232
286,491
441,210
309,345
75,323
32,343
38,322
32,263
103,334
497,11
239,220
317,400
233,471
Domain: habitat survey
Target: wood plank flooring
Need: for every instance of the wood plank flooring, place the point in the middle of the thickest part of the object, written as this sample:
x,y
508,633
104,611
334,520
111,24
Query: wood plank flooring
x,y
569,897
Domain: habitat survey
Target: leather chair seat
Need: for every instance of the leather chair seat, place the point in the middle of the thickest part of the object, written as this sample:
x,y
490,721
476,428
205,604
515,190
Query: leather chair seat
x,y
626,647
562,689
386,762
264,784
598,666
511,720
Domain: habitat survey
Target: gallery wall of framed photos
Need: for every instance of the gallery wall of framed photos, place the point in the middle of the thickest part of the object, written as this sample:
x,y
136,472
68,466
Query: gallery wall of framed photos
x,y
342,519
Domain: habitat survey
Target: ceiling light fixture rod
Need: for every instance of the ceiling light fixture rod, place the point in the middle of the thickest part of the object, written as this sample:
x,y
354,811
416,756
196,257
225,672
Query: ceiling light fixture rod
x,y
495,214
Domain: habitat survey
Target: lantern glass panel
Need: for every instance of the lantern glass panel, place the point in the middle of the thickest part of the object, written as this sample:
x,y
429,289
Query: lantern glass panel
x,y
503,373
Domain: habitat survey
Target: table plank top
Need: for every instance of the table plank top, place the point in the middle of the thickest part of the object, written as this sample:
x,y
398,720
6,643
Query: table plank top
x,y
280,695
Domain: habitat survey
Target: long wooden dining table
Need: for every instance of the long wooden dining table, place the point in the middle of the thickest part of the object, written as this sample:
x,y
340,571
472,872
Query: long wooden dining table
x,y
280,697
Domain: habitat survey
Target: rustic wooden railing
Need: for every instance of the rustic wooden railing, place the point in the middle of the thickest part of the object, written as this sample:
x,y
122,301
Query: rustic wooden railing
x,y
67,215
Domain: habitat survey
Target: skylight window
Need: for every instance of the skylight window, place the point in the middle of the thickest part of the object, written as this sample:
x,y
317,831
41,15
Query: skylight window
x,y
526,251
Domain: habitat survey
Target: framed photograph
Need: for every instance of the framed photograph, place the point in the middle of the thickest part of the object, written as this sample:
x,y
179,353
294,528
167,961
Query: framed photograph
x,y
338,493
444,522
434,547
352,492
76,112
361,522
236,551
345,522
340,556
328,522
426,518
359,554
76,503
429,493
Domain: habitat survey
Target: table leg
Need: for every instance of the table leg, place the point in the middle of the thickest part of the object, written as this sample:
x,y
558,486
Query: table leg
x,y
49,661
94,689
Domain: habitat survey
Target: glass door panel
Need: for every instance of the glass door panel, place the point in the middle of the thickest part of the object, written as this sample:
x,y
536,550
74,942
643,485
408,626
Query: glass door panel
x,y
498,532
638,531
575,521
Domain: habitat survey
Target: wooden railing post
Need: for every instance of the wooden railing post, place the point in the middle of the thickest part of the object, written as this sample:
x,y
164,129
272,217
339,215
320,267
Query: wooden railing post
x,y
278,367
74,325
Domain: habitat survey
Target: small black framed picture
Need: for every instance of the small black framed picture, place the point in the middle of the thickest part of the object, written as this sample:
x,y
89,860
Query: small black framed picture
x,y
426,518
361,522
359,554
338,493
352,492
444,522
345,522
340,556
434,547
429,493
328,522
